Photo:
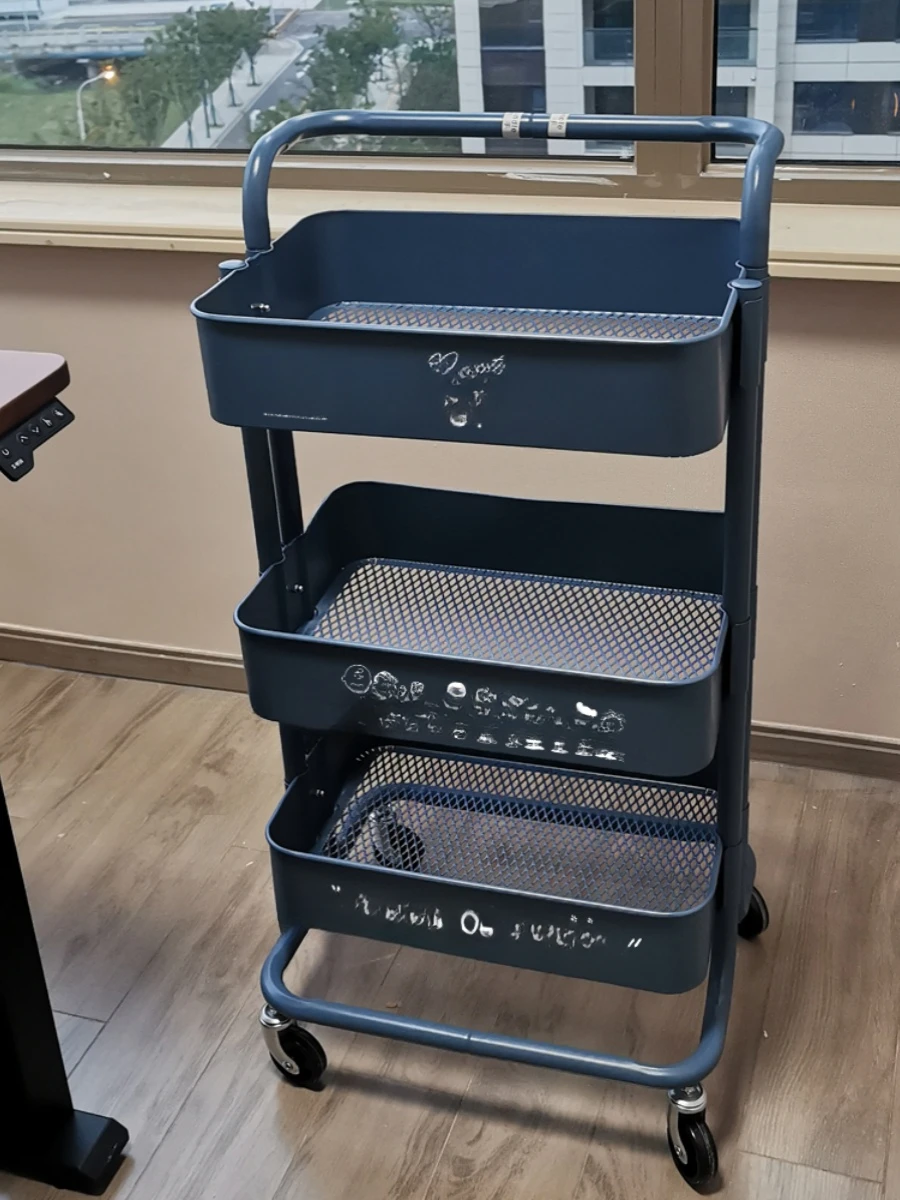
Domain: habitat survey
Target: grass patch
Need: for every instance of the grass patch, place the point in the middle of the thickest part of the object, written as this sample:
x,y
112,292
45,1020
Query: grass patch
x,y
32,115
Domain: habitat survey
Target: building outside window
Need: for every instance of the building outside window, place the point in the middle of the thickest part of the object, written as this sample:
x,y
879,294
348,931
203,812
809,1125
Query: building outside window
x,y
184,75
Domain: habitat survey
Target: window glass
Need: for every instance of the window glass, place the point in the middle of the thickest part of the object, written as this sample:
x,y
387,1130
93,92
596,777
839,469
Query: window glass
x,y
609,101
825,71
183,75
608,32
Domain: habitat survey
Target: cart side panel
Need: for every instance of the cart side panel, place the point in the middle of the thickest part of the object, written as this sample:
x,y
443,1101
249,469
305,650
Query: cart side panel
x,y
625,264
618,397
611,543
661,953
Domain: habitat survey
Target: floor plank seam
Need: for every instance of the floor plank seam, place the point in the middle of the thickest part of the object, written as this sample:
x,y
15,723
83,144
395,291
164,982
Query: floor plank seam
x,y
805,1166
440,1155
61,1012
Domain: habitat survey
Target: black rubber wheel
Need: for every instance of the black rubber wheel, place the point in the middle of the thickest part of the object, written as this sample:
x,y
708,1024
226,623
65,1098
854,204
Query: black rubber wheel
x,y
701,1169
397,846
756,919
304,1063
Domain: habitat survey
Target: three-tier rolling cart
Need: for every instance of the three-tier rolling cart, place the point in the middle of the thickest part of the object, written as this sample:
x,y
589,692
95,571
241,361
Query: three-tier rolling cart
x,y
513,730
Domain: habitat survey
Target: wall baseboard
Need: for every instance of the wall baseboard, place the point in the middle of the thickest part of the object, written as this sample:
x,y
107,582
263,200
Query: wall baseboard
x,y
130,660
853,753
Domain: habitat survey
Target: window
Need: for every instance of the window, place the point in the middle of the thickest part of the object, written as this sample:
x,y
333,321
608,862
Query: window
x,y
514,81
736,42
832,103
732,101
847,108
511,24
848,20
609,101
608,32
193,76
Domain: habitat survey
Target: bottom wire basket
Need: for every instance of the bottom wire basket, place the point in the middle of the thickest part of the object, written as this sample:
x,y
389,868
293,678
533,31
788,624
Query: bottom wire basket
x,y
579,874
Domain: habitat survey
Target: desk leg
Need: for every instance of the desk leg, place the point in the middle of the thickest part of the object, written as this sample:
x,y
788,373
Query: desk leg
x,y
41,1136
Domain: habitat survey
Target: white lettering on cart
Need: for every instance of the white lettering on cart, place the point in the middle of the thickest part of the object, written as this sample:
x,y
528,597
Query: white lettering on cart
x,y
293,416
444,364
357,679
634,943
402,914
610,755
567,938
447,364
589,940
470,923
385,686
335,887
586,710
611,722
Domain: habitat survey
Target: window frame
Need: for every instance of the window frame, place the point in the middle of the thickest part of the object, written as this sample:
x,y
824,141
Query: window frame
x,y
675,68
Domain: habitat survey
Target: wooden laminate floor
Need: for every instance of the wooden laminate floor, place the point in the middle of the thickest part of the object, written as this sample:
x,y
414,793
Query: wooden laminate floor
x,y
140,810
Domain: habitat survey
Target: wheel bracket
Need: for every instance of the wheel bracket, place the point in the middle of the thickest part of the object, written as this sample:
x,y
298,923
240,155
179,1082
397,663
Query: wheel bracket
x,y
687,1101
273,1024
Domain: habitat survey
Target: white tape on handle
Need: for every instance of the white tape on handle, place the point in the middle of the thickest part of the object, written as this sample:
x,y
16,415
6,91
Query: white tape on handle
x,y
512,124
556,126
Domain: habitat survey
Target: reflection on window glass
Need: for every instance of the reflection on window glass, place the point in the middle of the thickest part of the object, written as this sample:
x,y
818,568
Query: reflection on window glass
x,y
610,102
824,71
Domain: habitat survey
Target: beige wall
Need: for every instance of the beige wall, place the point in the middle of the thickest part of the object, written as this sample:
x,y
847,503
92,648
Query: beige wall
x,y
134,525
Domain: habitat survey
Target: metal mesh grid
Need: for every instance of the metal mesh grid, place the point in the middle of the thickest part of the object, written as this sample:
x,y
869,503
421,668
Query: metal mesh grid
x,y
629,844
557,322
650,634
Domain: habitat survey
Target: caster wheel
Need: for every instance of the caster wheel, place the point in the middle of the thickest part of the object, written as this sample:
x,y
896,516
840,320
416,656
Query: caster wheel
x,y
696,1159
301,1059
756,919
397,846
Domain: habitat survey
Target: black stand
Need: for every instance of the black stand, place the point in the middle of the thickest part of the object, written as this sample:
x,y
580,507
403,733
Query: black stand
x,y
42,1136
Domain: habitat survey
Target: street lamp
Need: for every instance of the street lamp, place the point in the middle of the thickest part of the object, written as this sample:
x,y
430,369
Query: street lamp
x,y
110,74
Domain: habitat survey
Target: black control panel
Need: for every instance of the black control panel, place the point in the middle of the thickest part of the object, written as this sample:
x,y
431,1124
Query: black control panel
x,y
18,446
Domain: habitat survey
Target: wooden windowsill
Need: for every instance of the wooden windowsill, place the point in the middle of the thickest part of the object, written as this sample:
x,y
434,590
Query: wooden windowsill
x,y
812,241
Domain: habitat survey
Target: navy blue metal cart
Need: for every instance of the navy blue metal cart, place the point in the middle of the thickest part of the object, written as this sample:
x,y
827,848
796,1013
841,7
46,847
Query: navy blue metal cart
x,y
513,730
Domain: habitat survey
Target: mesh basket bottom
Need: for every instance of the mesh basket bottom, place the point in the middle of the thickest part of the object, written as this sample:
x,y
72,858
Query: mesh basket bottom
x,y
558,322
621,843
652,634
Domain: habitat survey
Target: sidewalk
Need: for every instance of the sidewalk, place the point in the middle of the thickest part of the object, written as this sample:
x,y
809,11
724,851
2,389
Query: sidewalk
x,y
274,58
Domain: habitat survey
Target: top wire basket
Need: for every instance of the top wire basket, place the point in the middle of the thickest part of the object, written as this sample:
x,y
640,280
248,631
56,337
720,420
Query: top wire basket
x,y
590,333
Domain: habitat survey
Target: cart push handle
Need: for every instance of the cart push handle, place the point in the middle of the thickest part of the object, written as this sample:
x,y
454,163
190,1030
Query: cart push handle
x,y
759,173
